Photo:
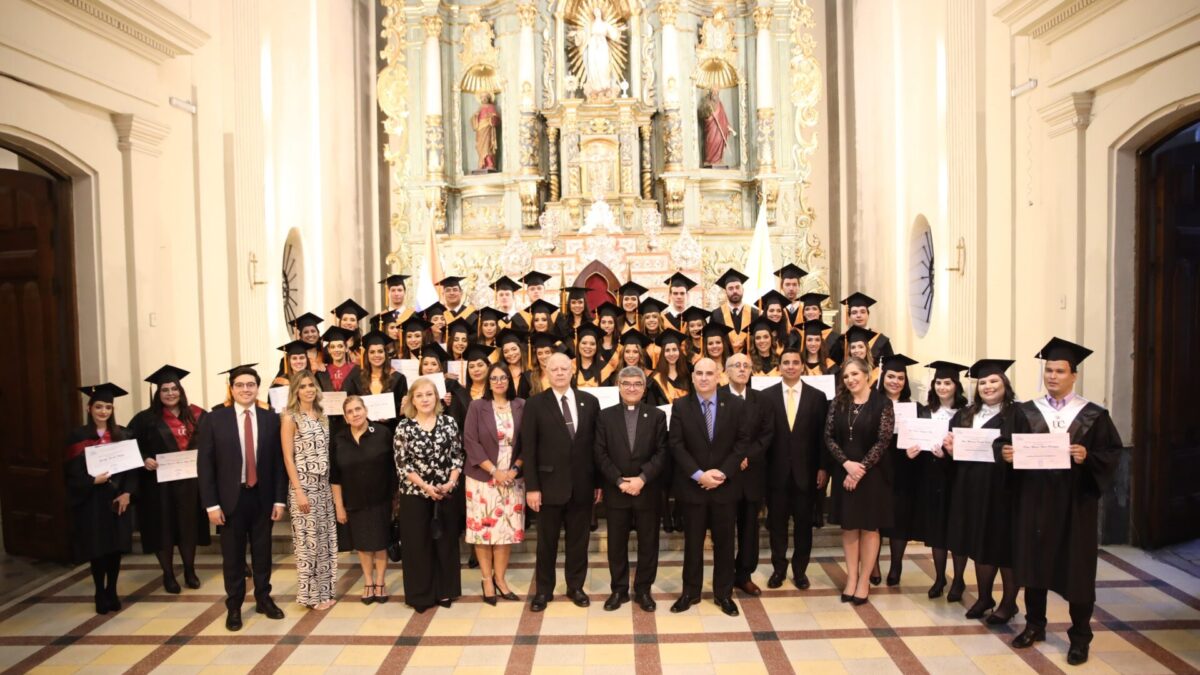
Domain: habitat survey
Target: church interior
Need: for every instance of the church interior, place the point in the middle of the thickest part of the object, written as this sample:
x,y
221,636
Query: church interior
x,y
180,179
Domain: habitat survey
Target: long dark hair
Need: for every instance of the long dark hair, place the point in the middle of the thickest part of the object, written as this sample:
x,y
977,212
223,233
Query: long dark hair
x,y
509,393
185,410
364,373
844,397
115,430
935,403
1009,397
683,365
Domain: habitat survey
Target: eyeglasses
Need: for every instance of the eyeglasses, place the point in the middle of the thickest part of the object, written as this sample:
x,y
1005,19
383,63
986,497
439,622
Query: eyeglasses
x,y
633,385
738,365
499,379
244,385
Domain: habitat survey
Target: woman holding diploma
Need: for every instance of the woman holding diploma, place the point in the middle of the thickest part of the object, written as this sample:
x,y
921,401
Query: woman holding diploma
x,y
1056,510
910,468
858,433
101,524
979,525
376,375
169,514
930,509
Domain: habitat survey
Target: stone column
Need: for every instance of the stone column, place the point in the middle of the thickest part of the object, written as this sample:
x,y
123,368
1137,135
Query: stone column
x,y
552,155
527,186
435,134
764,82
647,159
673,82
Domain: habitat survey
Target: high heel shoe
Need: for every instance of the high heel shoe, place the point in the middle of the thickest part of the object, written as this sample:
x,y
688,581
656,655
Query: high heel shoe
x,y
876,579
381,595
935,591
998,619
847,598
893,578
190,579
503,594
857,601
368,594
489,599
957,587
980,608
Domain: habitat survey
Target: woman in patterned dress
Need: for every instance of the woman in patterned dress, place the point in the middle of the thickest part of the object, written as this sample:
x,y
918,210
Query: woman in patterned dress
x,y
305,436
429,459
495,489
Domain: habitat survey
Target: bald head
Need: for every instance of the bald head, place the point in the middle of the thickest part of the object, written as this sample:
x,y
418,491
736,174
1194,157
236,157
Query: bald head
x,y
558,370
704,377
738,368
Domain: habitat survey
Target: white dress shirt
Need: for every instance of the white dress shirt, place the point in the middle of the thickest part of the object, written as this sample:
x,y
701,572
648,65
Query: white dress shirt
x,y
570,394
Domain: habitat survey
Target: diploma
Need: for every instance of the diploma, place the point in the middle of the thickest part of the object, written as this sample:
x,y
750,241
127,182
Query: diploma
x,y
974,445
825,383
176,465
278,397
113,458
607,396
380,407
331,402
1042,451
666,409
439,382
760,382
922,433
456,368
409,368
903,411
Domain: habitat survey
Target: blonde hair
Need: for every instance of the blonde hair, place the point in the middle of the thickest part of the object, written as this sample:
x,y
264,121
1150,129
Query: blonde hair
x,y
408,409
294,382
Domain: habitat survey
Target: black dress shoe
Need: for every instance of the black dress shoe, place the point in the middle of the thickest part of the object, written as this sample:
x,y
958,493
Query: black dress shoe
x,y
728,606
114,603
578,597
445,602
191,580
101,602
170,585
957,587
980,608
267,607
1029,636
802,582
645,602
538,603
935,591
1077,655
776,579
667,526
233,620
684,603
678,521
614,601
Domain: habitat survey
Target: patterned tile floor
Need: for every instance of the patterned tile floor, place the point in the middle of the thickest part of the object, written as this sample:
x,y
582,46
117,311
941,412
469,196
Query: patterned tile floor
x,y
1147,621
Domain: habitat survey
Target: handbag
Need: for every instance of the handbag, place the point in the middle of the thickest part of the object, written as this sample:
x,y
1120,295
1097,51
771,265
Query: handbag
x,y
435,526
393,549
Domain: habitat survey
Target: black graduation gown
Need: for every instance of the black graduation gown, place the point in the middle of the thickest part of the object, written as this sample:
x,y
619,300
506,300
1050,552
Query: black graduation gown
x,y
168,514
1055,538
325,383
397,384
979,524
908,478
96,530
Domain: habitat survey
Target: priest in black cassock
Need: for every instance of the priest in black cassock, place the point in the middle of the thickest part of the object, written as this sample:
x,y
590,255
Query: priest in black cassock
x,y
1055,511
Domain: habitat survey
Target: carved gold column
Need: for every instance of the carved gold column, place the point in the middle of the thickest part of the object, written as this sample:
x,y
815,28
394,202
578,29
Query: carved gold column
x,y
530,176
391,90
764,140
435,135
552,155
647,158
673,184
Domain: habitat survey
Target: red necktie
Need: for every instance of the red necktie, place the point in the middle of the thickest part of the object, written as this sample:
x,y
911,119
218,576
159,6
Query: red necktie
x,y
248,434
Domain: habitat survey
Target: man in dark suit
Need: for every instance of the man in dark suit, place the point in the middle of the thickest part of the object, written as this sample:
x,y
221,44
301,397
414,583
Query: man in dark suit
x,y
709,437
753,473
557,437
793,454
243,487
631,452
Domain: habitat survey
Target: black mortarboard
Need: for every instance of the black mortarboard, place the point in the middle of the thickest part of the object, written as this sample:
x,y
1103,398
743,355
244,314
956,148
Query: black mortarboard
x,y
670,335
244,366
1058,349
375,338
349,306
985,367
306,319
588,329
336,334
295,347
450,281
543,339
478,352
103,392
535,278
631,288
435,350
945,370
763,322
711,329
381,321
695,314
540,306
679,279
652,306
576,292
897,363
773,297
394,280
609,309
511,335
857,299
414,323
790,271
490,314
634,337
814,327
812,299
433,310
505,284
166,374
458,326
731,275
859,334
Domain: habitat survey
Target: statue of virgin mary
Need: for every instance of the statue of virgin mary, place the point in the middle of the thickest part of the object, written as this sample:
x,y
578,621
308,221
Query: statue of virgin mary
x,y
593,39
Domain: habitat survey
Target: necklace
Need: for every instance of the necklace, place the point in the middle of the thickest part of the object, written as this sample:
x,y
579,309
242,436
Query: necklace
x,y
855,409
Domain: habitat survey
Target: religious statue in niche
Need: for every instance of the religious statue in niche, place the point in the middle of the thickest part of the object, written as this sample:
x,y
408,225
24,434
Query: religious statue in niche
x,y
486,123
717,53
597,49
717,129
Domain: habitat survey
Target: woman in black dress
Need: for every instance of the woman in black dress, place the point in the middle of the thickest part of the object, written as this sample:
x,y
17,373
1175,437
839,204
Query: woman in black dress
x,y
363,477
911,471
858,432
980,522
945,399
101,522
169,514
429,459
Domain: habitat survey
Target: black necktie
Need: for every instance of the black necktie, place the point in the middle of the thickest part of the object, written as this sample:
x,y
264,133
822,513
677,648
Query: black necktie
x,y
566,408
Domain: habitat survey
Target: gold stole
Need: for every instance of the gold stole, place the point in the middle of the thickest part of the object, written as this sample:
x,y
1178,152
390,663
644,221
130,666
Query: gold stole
x,y
669,390
466,311
737,339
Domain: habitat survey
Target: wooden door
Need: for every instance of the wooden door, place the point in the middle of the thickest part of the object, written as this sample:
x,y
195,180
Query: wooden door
x,y
37,401
1167,352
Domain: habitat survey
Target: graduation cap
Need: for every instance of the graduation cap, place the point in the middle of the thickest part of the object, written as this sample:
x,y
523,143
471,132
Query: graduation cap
x,y
505,284
790,271
305,320
763,322
945,370
857,299
632,288
588,329
490,314
103,392
451,281
535,278
349,306
898,363
1058,349
540,306
812,299
166,374
670,335
731,275
634,337
695,314
381,321
394,280
415,323
244,366
713,329
458,326
652,306
337,334
859,334
772,297
986,367
511,335
576,292
294,348
609,309
478,352
435,350
543,339
433,310
375,338
815,327
678,279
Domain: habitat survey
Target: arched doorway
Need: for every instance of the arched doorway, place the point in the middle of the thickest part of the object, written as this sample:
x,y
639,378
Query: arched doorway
x,y
1167,359
38,404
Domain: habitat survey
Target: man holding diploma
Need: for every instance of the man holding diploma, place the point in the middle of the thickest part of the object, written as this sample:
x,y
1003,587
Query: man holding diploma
x,y
1055,541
